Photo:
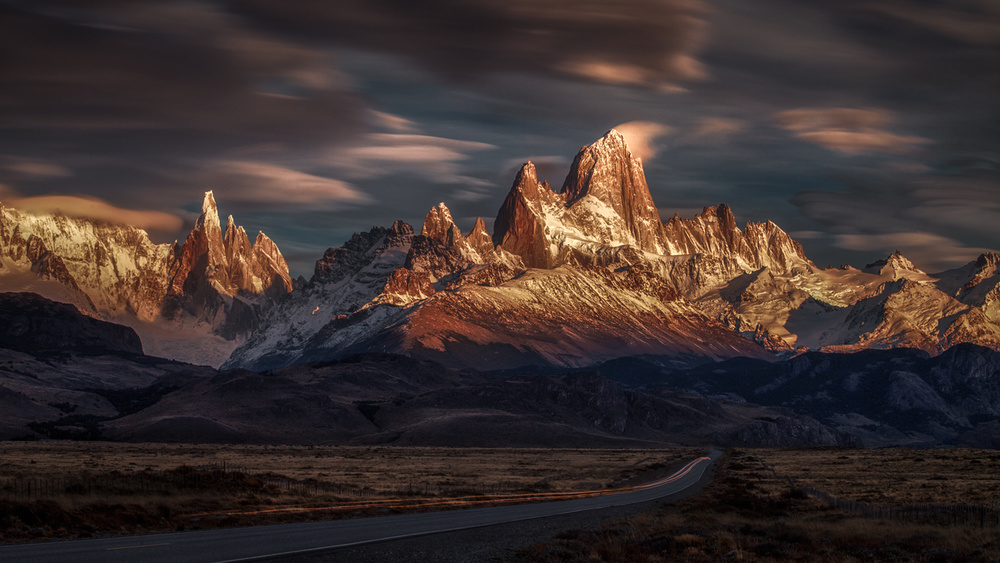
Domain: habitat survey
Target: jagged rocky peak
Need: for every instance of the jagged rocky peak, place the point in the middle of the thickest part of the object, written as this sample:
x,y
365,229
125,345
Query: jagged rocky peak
x,y
603,203
361,250
228,262
715,232
607,172
896,265
479,239
526,183
440,226
210,226
988,260
236,242
520,224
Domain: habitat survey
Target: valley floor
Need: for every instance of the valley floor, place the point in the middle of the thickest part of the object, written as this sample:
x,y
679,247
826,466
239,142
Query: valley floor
x,y
86,489
750,513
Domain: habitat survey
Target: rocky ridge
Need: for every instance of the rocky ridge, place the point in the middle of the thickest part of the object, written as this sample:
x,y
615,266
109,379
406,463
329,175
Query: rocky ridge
x,y
213,283
556,284
574,276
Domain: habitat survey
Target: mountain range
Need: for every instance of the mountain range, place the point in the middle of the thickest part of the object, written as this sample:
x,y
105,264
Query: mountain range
x,y
590,273
188,302
586,277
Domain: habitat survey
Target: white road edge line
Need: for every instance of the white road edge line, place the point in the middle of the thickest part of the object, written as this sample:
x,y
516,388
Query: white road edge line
x,y
404,536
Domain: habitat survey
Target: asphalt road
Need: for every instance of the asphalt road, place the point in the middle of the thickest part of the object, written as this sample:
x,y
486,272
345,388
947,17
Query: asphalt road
x,y
247,544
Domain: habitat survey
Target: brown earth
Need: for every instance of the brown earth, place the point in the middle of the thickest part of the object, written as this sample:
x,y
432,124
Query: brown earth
x,y
83,489
748,514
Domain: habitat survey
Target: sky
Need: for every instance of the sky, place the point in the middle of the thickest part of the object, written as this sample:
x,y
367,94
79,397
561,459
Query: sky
x,y
860,127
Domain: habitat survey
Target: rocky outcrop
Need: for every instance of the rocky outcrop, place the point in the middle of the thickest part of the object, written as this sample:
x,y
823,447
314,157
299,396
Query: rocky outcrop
x,y
714,232
30,323
604,202
105,269
606,177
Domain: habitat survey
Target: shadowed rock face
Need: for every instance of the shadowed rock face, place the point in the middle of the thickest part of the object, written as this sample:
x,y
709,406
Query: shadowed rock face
x,y
31,323
882,397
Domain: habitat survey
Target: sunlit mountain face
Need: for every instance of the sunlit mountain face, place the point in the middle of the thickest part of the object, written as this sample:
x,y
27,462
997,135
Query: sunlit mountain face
x,y
570,277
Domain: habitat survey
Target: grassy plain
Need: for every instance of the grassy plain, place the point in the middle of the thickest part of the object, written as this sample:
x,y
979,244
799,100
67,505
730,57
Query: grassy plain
x,y
894,476
79,489
746,513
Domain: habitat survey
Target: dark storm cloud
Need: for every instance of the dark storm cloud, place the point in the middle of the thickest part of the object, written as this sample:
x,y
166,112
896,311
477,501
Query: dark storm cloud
x,y
155,91
155,66
641,42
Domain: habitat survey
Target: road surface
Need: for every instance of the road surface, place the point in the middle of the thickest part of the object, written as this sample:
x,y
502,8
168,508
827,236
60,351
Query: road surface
x,y
247,544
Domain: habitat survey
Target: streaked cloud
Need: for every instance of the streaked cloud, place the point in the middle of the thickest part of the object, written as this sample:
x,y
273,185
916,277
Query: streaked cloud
x,y
34,167
97,209
937,220
974,21
641,137
718,127
270,185
641,42
847,130
392,122
380,154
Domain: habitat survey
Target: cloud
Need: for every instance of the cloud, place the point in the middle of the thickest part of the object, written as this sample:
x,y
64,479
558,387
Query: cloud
x,y
34,168
718,127
152,72
812,119
847,130
641,42
862,141
976,22
394,123
435,158
640,136
963,203
94,208
271,185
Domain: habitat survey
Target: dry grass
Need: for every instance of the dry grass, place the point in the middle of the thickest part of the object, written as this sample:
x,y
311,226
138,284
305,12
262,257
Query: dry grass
x,y
747,514
897,476
92,488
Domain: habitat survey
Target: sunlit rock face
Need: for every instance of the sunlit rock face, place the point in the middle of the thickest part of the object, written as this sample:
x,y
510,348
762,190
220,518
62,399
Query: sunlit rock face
x,y
590,272
604,203
217,283
222,278
567,278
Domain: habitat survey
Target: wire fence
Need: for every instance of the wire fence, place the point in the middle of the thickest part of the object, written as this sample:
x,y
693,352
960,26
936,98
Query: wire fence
x,y
964,514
